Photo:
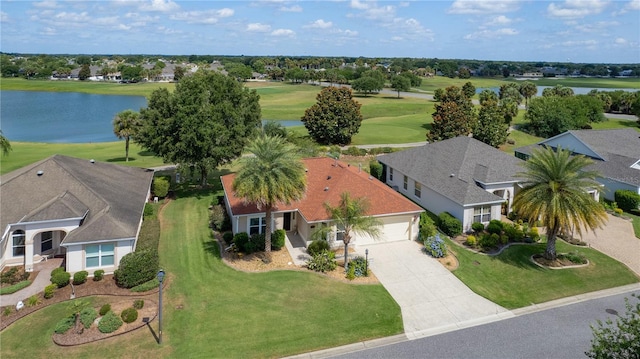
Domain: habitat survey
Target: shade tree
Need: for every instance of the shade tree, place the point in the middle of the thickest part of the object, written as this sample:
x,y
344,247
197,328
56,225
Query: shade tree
x,y
335,117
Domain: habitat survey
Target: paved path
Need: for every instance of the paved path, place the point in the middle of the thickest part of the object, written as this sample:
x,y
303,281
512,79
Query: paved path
x,y
42,280
432,299
618,241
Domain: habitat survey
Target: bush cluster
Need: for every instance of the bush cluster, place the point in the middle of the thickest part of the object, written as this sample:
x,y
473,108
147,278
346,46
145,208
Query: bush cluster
x,y
627,200
355,151
105,309
217,217
161,186
436,246
278,239
59,277
449,224
471,240
427,228
49,291
146,286
256,242
138,304
65,324
316,247
488,241
227,237
477,227
98,275
148,210
149,236
494,226
109,323
136,268
80,277
11,276
324,261
375,169
129,315
358,266
240,240
87,316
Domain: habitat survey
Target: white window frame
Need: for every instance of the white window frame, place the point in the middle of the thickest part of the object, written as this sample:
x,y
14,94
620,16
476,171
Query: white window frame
x,y
100,254
405,184
483,212
417,191
46,237
262,225
16,235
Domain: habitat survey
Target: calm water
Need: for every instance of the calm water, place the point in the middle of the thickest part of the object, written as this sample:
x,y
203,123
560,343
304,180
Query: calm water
x,y
67,117
576,90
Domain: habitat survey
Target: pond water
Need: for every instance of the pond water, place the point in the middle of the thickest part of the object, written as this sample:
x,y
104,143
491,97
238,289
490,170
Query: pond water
x,y
576,90
62,117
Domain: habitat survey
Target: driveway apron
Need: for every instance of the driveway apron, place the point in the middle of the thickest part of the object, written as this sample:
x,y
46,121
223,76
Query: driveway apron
x,y
432,299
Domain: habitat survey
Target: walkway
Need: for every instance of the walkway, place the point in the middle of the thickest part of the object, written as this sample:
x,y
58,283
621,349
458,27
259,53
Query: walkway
x,y
618,241
42,280
432,299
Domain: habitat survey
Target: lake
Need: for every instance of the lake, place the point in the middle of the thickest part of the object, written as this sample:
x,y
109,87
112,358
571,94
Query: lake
x,y
62,117
576,90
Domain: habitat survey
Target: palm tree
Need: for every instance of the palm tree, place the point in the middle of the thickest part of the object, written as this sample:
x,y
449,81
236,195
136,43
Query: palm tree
x,y
555,192
5,145
272,174
126,125
350,215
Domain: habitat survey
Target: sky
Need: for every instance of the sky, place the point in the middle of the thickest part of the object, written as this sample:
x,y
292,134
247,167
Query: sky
x,y
579,31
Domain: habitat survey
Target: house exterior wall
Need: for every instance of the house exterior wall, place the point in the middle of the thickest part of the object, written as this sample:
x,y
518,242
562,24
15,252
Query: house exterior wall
x,y
469,213
395,228
76,256
611,186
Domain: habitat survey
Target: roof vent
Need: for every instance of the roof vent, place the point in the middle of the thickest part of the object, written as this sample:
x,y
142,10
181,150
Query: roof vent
x,y
328,177
306,170
92,160
452,175
326,189
40,173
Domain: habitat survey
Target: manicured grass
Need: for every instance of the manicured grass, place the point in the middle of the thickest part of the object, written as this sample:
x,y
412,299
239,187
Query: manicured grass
x,y
211,310
93,87
25,153
636,223
16,287
513,281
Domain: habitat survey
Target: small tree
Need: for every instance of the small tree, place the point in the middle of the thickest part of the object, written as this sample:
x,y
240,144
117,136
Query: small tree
x,y
335,117
620,339
85,72
400,83
125,126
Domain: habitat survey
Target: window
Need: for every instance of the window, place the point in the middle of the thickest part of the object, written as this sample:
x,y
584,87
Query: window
x,y
418,190
482,214
100,255
18,242
257,225
406,182
46,241
390,174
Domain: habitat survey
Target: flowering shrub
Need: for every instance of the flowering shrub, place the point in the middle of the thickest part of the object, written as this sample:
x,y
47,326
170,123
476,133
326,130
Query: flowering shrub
x,y
324,261
359,266
436,246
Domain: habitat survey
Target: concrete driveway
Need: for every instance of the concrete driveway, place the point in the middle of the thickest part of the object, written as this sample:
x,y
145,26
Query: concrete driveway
x,y
432,299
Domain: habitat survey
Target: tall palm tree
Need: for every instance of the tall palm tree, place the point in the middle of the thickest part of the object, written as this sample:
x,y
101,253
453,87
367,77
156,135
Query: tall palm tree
x,y
351,216
5,145
126,125
555,192
272,174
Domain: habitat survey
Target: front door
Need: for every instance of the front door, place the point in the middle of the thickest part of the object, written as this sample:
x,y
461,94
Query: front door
x,y
287,221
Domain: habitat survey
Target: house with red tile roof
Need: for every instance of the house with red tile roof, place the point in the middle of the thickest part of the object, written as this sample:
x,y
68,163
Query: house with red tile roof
x,y
327,179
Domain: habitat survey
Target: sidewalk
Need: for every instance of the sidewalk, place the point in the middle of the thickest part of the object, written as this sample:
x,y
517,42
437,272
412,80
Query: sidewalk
x,y
42,280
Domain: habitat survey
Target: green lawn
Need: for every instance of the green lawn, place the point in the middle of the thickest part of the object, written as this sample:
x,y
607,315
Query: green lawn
x,y
212,310
93,87
636,223
513,281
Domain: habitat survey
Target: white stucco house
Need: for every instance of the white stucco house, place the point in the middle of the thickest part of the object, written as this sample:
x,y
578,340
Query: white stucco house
x,y
471,180
615,153
86,211
327,179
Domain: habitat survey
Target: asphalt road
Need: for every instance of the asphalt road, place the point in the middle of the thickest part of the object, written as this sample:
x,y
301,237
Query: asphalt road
x,y
558,333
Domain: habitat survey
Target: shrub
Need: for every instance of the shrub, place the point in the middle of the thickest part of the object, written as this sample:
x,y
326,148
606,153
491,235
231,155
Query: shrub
x,y
477,227
436,246
426,227
6,311
138,304
87,316
618,211
627,200
324,261
80,277
494,226
278,239
358,267
488,241
227,237
65,324
216,217
355,151
240,240
109,323
11,276
504,239
98,275
351,272
14,288
471,241
57,270
105,309
514,232
316,247
533,234
255,244
146,286
33,300
60,278
161,186
49,291
129,315
149,236
575,257
148,210
136,268
450,225
375,169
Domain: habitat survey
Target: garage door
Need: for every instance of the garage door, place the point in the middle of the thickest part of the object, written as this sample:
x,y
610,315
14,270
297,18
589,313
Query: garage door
x,y
394,229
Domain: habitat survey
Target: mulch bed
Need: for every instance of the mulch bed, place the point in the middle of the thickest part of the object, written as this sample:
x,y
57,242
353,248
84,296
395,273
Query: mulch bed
x,y
559,262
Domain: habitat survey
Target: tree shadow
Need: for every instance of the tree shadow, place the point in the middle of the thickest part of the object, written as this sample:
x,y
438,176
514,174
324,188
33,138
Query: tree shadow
x,y
146,153
427,126
121,159
212,247
520,256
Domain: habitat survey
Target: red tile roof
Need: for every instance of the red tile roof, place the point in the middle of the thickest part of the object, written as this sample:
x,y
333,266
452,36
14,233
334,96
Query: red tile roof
x,y
327,179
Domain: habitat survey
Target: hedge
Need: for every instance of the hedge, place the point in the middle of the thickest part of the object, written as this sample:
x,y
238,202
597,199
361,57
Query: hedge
x,y
627,200
136,268
450,225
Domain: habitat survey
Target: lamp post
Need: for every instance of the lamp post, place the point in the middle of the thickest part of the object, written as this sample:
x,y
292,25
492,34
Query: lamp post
x,y
366,262
160,279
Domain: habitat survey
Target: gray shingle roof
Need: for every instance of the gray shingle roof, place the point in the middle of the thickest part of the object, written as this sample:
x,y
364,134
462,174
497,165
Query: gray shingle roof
x,y
68,187
453,167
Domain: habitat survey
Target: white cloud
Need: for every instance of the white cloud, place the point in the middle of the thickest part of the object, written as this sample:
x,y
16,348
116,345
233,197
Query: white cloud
x,y
412,29
572,9
319,24
499,20
48,31
105,21
491,34
202,17
258,27
357,4
599,26
294,8
4,17
283,32
167,31
160,6
633,5
584,43
620,41
348,32
483,7
123,27
48,4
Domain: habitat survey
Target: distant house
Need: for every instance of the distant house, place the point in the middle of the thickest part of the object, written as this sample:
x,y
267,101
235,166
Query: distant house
x,y
471,180
327,179
88,212
616,155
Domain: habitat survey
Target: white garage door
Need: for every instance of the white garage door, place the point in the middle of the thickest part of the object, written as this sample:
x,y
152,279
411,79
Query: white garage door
x,y
393,229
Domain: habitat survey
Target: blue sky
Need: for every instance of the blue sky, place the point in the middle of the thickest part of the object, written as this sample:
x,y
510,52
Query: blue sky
x,y
591,31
